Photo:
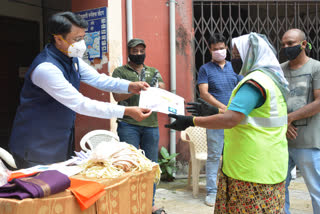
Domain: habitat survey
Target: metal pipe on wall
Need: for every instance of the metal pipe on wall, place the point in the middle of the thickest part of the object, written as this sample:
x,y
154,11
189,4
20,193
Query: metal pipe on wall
x,y
129,19
172,15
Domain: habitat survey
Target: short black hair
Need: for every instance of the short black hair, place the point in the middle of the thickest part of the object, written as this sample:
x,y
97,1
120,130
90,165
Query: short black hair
x,y
61,23
216,38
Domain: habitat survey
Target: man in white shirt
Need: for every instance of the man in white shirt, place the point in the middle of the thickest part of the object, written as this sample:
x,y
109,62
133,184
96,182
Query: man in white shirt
x,y
50,98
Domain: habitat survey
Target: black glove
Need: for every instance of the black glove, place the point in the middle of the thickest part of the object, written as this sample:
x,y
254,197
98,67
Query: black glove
x,y
202,108
181,122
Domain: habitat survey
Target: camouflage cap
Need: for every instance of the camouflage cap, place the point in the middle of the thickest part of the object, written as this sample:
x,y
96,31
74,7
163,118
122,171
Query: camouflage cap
x,y
134,42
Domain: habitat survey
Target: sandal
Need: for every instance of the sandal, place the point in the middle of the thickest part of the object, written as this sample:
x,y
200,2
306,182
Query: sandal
x,y
159,211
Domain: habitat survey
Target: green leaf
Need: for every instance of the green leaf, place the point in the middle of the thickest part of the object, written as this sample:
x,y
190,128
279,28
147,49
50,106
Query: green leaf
x,y
172,161
173,155
164,152
165,161
169,170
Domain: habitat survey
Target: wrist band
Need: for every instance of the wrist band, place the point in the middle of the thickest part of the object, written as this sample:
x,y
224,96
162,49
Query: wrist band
x,y
194,122
218,110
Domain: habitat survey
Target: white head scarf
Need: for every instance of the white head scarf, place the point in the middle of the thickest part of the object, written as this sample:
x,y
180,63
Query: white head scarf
x,y
258,54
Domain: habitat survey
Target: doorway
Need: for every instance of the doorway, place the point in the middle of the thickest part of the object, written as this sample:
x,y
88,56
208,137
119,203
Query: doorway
x,y
20,44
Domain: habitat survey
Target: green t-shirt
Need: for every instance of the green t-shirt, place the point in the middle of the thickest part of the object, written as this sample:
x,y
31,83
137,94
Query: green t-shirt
x,y
128,73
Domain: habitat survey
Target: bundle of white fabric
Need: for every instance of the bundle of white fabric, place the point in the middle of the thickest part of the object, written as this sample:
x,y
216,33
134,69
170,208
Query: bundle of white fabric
x,y
112,159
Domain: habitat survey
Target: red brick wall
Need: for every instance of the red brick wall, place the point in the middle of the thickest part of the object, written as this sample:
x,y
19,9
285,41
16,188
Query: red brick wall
x,y
185,61
83,123
151,23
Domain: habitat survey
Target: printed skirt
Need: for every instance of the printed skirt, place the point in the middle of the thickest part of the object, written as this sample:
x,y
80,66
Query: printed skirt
x,y
236,196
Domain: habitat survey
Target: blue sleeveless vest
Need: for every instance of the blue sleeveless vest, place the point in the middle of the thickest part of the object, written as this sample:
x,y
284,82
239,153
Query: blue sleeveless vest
x,y
42,128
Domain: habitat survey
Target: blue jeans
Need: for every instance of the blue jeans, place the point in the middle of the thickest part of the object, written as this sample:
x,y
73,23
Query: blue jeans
x,y
308,162
215,139
142,137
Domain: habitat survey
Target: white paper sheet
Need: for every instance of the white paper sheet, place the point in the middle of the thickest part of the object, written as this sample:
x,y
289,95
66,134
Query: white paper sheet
x,y
63,167
163,101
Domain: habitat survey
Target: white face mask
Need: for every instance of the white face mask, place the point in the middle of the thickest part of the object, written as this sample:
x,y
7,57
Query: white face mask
x,y
77,49
219,55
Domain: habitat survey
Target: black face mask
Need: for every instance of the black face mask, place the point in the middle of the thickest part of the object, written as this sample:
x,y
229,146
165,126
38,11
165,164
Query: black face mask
x,y
137,59
292,52
236,65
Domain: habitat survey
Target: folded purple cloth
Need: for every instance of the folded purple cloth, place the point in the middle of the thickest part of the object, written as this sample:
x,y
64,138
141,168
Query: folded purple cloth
x,y
39,185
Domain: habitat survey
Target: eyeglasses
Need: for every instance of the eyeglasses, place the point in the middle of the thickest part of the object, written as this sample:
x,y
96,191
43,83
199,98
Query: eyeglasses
x,y
77,39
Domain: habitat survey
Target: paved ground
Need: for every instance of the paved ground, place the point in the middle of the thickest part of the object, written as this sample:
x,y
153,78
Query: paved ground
x,y
177,198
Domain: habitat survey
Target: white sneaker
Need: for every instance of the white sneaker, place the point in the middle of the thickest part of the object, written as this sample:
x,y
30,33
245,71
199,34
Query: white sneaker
x,y
210,200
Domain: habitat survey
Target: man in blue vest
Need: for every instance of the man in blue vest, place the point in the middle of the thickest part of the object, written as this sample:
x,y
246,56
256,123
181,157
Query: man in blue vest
x,y
42,132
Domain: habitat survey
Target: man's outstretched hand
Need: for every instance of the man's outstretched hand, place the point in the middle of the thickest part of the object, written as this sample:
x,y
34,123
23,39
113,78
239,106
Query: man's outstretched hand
x,y
137,113
136,87
201,108
181,122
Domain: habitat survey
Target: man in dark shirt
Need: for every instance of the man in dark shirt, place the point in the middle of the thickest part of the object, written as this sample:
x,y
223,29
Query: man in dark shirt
x,y
143,134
